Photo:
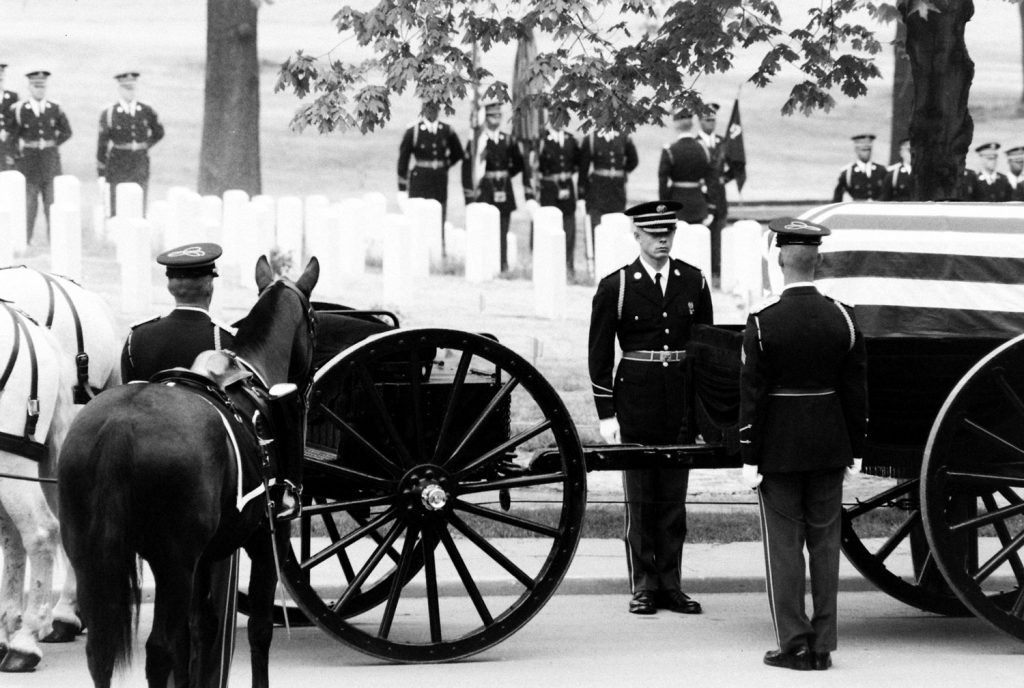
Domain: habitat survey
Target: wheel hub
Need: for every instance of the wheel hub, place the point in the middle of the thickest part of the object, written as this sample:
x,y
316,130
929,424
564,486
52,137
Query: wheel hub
x,y
426,490
433,497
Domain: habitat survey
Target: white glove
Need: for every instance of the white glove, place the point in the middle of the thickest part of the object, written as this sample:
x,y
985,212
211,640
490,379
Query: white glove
x,y
853,470
610,430
751,478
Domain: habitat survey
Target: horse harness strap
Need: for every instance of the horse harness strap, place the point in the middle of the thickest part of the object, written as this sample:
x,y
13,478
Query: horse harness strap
x,y
83,392
23,445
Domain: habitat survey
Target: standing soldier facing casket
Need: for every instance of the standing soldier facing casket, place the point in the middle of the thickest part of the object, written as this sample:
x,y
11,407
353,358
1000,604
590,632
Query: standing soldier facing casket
x,y
558,159
39,127
897,185
683,170
435,147
991,186
1015,161
606,159
650,306
8,145
862,179
491,162
128,129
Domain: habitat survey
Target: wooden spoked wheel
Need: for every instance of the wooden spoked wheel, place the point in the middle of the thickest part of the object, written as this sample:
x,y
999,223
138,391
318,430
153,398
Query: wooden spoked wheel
x,y
420,496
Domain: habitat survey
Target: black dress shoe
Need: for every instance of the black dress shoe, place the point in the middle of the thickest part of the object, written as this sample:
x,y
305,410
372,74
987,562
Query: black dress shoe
x,y
643,603
820,661
678,601
799,660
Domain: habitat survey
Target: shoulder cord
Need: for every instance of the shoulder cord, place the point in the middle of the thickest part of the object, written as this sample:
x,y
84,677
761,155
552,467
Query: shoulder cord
x,y
622,292
849,325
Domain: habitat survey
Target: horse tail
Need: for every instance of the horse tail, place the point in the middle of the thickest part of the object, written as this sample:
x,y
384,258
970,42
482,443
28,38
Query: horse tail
x,y
108,577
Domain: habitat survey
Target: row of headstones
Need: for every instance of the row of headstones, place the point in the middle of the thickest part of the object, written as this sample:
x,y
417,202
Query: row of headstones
x,y
341,235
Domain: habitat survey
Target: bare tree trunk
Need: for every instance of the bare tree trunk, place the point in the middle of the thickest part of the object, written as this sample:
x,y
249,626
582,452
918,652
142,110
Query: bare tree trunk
x,y
230,154
941,128
902,93
1020,11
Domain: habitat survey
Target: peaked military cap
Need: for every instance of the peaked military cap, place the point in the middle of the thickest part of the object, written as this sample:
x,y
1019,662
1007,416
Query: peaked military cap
x,y
863,138
1016,152
128,74
991,147
682,113
712,108
790,231
191,260
38,74
3,66
655,217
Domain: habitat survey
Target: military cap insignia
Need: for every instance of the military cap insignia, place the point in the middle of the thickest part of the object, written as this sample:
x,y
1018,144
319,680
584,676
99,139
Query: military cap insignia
x,y
660,208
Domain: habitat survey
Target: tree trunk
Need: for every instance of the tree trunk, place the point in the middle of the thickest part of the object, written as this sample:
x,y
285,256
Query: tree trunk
x,y
1020,10
902,93
230,154
941,128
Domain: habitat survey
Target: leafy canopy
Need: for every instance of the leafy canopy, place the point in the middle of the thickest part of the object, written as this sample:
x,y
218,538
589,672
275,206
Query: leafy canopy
x,y
609,63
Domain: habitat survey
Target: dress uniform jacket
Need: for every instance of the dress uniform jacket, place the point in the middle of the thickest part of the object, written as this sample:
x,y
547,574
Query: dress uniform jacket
x,y
1017,186
648,398
684,166
897,183
994,188
605,163
435,147
803,414
171,341
499,159
862,181
556,165
8,142
38,137
122,151
714,192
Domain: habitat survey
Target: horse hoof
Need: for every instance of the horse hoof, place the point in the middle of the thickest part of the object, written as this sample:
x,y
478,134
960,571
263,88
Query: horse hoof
x,y
15,662
63,632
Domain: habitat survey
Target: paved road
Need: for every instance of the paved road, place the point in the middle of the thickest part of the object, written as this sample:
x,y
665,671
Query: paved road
x,y
590,640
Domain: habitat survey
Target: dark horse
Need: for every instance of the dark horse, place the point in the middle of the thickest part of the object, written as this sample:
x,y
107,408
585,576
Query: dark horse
x,y
149,470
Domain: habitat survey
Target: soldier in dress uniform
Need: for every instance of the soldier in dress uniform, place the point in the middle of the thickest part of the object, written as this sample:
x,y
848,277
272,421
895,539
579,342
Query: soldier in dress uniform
x,y
803,416
491,162
992,186
435,147
39,126
683,170
897,176
606,159
558,159
1015,161
719,176
174,340
128,129
8,144
861,179
650,305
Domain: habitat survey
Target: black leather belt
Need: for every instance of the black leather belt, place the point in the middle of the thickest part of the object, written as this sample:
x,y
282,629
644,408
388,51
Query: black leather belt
x,y
685,185
133,146
559,177
41,144
801,391
432,164
654,356
605,172
496,175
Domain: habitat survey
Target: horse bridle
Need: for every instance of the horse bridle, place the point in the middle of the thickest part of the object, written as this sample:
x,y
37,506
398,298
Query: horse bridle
x,y
310,314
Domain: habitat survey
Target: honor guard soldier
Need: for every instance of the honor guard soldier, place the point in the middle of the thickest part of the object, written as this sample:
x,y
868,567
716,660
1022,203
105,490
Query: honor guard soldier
x,y
606,159
650,305
8,144
991,186
174,340
128,129
39,127
897,176
803,417
491,162
862,179
558,159
435,147
1015,161
682,172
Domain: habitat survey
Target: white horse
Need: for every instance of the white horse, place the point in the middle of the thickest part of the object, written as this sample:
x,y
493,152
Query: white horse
x,y
36,409
83,325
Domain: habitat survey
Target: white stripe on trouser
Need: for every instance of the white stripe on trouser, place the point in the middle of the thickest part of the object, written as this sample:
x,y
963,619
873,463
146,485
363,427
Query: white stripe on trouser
x,y
226,631
625,538
768,567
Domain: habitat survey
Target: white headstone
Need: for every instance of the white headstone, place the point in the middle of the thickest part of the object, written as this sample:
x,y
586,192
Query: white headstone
x,y
136,266
159,216
67,191
314,238
211,218
549,274
6,231
614,245
104,191
66,240
747,239
288,239
396,271
483,236
99,222
348,237
184,225
375,207
257,236
232,227
425,239
12,199
456,241
512,250
129,200
693,245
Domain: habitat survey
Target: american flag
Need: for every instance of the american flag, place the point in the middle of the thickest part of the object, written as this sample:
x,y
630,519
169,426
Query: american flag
x,y
923,269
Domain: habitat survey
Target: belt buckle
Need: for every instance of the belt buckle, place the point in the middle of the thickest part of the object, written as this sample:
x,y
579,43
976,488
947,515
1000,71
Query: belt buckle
x,y
663,356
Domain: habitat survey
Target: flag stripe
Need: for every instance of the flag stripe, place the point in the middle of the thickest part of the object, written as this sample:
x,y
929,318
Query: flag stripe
x,y
898,321
925,293
935,267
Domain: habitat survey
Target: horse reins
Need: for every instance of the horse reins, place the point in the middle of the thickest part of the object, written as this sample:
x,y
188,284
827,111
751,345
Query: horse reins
x,y
23,446
83,392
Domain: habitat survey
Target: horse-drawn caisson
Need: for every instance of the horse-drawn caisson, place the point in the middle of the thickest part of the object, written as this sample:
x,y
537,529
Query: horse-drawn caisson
x,y
417,437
